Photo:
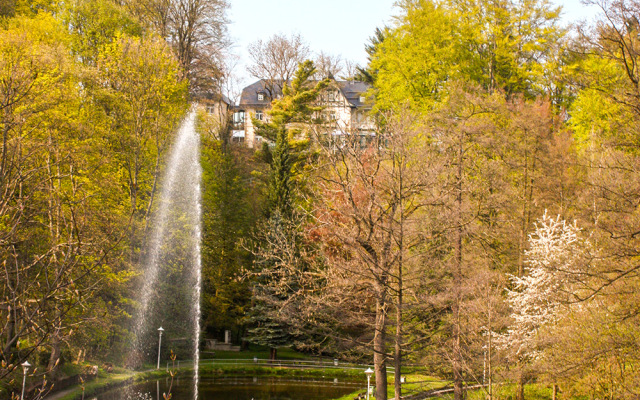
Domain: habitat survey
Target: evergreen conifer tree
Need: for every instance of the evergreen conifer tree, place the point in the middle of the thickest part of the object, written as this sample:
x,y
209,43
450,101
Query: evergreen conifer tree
x,y
280,239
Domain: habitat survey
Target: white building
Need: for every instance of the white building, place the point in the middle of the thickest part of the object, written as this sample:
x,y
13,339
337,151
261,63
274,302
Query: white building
x,y
344,103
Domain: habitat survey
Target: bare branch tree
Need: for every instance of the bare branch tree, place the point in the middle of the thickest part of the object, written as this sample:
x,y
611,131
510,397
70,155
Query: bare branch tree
x,y
198,33
328,66
276,60
350,70
371,191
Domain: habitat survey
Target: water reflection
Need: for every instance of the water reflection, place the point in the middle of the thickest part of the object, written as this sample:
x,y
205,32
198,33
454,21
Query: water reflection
x,y
238,388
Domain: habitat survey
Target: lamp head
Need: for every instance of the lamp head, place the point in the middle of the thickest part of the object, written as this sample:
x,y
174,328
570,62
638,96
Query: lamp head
x,y
26,365
369,371
160,330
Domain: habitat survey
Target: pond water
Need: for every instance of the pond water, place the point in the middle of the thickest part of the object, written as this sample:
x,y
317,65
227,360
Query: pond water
x,y
237,388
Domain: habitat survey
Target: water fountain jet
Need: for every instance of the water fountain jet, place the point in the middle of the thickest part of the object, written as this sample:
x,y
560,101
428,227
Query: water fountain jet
x,y
173,263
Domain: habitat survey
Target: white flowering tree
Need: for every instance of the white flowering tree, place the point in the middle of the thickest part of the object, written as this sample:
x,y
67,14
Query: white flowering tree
x,y
553,262
555,265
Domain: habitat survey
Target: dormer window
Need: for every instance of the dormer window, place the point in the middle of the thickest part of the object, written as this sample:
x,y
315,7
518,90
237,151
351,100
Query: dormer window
x,y
362,99
260,96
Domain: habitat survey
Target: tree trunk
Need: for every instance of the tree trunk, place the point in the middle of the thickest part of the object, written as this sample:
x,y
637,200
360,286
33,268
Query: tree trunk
x,y
132,228
522,240
133,183
5,150
55,352
379,344
458,387
458,393
554,393
398,350
273,353
490,345
490,368
10,344
520,388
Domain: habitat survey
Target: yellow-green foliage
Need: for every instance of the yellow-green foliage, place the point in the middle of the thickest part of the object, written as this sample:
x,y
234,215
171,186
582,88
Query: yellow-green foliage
x,y
498,45
88,107
598,114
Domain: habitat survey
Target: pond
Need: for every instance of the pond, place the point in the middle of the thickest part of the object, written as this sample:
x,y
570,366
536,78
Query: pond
x,y
237,388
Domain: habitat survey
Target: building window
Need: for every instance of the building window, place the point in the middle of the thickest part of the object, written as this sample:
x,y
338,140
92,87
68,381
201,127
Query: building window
x,y
238,117
260,96
362,99
259,115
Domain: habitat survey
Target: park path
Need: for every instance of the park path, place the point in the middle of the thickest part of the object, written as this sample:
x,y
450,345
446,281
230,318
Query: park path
x,y
60,394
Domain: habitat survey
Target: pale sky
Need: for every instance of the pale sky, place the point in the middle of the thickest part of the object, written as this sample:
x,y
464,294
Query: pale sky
x,y
337,27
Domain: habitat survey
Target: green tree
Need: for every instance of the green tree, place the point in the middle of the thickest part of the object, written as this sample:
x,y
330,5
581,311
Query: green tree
x,y
37,176
496,44
95,24
290,118
279,283
366,74
279,240
228,218
144,99
89,101
60,224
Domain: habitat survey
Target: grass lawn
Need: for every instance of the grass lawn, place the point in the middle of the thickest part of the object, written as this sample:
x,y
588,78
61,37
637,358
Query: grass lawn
x,y
531,392
416,383
259,352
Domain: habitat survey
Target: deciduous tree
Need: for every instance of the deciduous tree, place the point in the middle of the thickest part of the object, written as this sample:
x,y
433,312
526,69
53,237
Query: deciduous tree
x,y
276,60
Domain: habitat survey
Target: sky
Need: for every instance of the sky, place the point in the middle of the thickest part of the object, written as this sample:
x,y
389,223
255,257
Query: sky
x,y
337,27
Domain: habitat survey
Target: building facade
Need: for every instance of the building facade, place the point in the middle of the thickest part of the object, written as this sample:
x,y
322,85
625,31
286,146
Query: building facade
x,y
344,107
220,107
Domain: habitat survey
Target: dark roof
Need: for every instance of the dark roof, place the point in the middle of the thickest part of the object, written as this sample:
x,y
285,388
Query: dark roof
x,y
352,90
226,100
250,93
213,96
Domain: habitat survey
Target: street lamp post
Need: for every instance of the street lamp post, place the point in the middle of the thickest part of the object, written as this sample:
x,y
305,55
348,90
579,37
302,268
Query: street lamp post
x,y
368,372
25,369
160,330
